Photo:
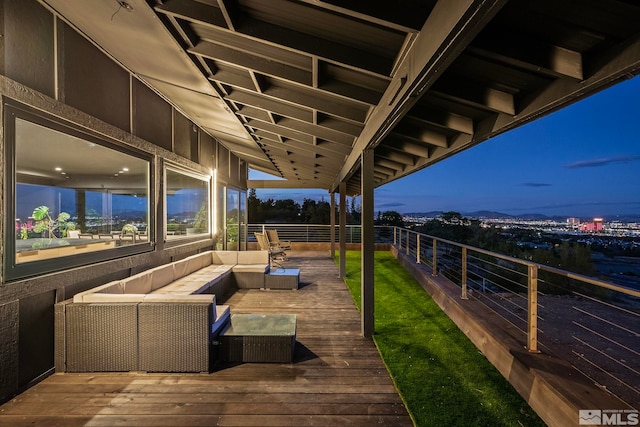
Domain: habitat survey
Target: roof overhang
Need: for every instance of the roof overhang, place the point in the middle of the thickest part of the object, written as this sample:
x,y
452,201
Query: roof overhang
x,y
300,88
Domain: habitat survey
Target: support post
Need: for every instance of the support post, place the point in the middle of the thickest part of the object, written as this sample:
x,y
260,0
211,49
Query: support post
x,y
343,230
367,277
408,245
464,273
434,269
417,249
532,299
332,228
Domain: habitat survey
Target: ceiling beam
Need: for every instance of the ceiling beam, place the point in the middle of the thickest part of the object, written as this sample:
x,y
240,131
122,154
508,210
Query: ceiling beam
x,y
406,18
389,164
441,119
256,63
472,93
527,53
328,150
407,145
451,26
423,134
395,156
319,100
299,126
618,63
260,101
318,46
190,10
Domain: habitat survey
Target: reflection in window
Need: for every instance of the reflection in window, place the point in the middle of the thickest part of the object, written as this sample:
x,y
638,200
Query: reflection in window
x,y
233,216
242,214
187,204
220,217
74,195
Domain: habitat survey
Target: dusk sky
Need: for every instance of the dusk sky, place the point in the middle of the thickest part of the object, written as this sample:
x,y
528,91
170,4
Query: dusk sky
x,y
583,160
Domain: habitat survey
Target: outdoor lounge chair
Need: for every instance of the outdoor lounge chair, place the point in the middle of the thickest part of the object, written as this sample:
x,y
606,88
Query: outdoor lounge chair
x,y
272,235
276,254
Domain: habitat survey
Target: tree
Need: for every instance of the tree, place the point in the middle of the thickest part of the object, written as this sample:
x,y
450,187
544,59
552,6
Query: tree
x,y
254,207
316,212
354,216
390,218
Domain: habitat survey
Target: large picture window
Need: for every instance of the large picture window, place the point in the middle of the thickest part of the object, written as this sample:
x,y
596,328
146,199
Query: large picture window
x,y
72,195
187,202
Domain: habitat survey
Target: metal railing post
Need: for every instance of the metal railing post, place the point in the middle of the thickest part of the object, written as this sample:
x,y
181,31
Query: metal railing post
x,y
464,273
532,311
395,243
434,269
408,245
417,249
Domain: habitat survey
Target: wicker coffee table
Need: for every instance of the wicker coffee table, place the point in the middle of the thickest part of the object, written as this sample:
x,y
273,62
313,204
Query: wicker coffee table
x,y
259,338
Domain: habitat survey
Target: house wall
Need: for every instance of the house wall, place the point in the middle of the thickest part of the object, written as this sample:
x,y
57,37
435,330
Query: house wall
x,y
48,66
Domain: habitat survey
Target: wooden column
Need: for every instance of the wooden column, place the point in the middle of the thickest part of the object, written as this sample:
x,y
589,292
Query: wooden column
x,y
367,280
343,229
332,229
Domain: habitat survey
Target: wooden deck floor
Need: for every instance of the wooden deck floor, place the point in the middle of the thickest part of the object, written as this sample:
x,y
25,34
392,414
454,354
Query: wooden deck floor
x,y
337,377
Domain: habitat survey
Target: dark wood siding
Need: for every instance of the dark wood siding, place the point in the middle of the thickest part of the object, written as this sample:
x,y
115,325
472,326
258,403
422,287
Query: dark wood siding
x,y
152,116
207,150
92,82
29,45
185,137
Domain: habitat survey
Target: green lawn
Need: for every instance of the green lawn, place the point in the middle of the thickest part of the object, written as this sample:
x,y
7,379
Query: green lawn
x,y
442,377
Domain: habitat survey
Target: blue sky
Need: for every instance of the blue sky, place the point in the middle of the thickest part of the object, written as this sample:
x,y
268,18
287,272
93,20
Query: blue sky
x,y
583,160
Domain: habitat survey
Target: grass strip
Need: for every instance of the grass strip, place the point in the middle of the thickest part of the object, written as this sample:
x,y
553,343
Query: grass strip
x,y
442,377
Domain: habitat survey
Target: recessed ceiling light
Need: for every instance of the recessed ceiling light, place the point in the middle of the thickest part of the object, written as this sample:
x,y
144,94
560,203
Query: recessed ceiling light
x,y
125,169
57,169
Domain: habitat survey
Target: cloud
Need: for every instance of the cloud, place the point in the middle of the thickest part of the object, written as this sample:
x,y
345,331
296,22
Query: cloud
x,y
535,184
603,162
391,205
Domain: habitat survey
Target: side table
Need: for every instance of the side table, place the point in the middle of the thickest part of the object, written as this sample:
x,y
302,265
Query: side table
x,y
282,278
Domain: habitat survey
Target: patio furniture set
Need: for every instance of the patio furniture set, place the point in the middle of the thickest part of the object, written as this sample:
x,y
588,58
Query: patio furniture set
x,y
167,319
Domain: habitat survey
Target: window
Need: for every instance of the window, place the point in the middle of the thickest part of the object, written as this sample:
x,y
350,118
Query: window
x,y
187,204
75,197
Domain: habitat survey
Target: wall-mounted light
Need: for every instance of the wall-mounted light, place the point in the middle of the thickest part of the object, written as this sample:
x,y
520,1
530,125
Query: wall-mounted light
x,y
126,6
214,226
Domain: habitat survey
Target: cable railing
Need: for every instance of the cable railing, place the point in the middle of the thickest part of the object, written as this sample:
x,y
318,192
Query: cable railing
x,y
318,233
591,323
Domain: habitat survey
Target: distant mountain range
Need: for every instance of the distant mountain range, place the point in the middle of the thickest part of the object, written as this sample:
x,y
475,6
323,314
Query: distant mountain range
x,y
527,217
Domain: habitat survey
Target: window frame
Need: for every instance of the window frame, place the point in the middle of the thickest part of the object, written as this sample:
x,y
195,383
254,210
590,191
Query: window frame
x,y
208,179
14,110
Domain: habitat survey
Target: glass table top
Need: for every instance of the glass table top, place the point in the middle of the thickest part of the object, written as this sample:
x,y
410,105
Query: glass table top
x,y
285,272
262,324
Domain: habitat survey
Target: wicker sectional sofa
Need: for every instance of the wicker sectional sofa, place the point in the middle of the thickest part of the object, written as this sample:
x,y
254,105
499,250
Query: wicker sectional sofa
x,y
164,319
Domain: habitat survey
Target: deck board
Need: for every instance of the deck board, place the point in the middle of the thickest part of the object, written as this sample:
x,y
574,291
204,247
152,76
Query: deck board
x,y
336,378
